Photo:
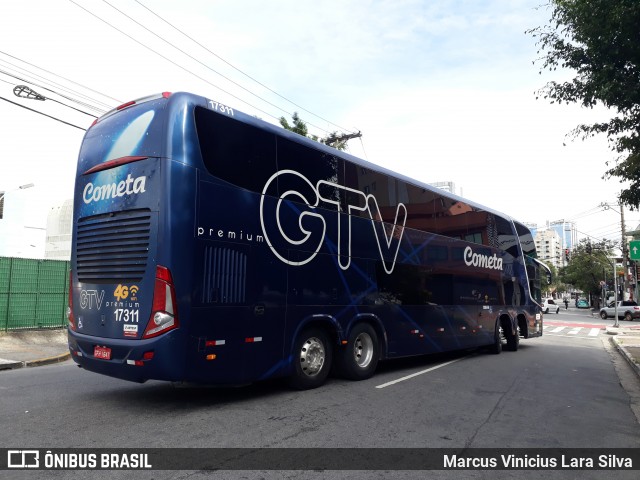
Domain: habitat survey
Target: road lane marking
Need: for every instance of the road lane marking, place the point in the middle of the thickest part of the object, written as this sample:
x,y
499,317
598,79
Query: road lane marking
x,y
594,332
393,382
574,331
557,329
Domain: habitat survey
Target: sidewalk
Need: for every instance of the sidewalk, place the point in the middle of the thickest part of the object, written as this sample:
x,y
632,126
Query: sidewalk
x,y
32,348
626,339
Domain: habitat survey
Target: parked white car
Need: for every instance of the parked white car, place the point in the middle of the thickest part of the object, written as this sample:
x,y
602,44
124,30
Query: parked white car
x,y
550,305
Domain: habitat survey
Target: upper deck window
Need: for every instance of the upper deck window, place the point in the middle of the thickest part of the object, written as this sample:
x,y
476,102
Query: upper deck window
x,y
234,151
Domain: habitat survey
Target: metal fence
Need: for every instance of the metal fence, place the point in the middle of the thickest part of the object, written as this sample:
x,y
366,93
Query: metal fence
x,y
33,293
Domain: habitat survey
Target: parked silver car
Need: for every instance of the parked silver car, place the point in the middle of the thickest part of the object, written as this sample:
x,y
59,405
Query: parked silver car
x,y
626,309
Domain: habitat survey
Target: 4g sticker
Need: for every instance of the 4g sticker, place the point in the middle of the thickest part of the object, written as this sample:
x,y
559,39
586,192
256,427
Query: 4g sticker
x,y
122,292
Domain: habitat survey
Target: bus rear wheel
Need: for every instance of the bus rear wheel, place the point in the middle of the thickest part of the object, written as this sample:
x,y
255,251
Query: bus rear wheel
x,y
358,359
513,340
312,359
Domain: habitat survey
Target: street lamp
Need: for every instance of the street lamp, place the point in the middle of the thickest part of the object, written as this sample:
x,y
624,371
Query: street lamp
x,y
21,187
616,321
612,262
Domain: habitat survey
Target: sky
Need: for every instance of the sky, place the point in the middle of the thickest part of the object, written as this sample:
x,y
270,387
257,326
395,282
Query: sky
x,y
441,91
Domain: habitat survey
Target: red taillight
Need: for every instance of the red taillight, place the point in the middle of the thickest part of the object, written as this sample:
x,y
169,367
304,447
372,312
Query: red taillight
x,y
125,105
116,162
164,315
70,317
132,102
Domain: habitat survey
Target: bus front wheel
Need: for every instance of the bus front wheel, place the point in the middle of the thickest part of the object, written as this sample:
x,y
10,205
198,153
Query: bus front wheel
x,y
358,359
312,359
496,348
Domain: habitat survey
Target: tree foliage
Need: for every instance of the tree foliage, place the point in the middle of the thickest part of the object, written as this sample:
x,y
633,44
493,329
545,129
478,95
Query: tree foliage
x,y
588,266
600,41
298,126
555,285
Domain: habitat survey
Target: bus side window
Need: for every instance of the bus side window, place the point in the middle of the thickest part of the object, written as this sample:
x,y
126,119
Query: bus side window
x,y
235,152
507,239
314,165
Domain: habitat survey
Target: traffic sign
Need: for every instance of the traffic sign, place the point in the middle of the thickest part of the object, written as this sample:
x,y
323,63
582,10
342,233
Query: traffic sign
x,y
634,249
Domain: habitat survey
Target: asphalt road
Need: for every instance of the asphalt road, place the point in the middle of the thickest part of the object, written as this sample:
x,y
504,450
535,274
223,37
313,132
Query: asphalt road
x,y
556,391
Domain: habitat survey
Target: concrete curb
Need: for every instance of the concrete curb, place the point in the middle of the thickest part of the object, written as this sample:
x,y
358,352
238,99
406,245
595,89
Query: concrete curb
x,y
616,342
14,364
48,360
9,364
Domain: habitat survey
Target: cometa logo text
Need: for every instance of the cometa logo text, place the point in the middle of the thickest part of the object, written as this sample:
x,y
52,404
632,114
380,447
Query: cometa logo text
x,y
482,261
129,186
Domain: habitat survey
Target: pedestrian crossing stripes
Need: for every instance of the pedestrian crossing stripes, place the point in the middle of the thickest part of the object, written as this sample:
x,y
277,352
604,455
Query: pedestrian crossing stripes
x,y
570,331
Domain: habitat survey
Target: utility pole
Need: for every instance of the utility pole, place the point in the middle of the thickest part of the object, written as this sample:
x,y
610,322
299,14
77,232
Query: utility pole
x,y
625,249
335,141
625,252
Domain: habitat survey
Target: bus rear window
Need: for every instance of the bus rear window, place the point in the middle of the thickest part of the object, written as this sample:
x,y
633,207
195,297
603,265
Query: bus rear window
x,y
134,132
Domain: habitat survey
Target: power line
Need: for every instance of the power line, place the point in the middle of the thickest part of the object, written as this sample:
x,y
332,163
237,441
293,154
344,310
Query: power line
x,y
117,102
41,113
47,81
201,63
240,71
20,89
171,61
195,59
52,91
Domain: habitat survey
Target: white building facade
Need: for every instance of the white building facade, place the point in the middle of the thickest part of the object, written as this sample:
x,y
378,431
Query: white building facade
x,y
549,247
58,241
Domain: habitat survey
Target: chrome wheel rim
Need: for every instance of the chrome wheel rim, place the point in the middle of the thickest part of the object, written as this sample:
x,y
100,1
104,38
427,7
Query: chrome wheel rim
x,y
363,350
312,356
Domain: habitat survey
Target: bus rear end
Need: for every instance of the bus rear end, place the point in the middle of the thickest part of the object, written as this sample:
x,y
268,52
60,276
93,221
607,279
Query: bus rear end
x,y
123,311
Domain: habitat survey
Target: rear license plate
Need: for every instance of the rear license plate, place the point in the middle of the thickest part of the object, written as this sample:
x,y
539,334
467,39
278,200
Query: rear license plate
x,y
102,352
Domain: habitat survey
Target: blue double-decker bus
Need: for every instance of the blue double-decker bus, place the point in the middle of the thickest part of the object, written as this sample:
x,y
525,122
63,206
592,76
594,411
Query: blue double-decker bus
x,y
210,246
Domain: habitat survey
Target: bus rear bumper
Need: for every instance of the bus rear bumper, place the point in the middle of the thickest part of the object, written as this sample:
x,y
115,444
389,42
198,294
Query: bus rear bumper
x,y
133,360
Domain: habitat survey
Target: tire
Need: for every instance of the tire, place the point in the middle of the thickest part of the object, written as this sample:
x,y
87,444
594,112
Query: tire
x,y
496,348
628,316
358,359
312,354
603,315
558,311
513,341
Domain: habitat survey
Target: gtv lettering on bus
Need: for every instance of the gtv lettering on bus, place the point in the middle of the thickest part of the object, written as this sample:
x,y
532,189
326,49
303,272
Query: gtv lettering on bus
x,y
129,186
483,261
388,241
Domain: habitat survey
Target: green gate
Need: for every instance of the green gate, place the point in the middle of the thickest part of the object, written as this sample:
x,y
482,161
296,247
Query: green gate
x,y
33,293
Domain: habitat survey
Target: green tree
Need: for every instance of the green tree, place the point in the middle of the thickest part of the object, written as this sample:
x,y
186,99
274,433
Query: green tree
x,y
588,266
599,40
298,126
334,139
550,287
